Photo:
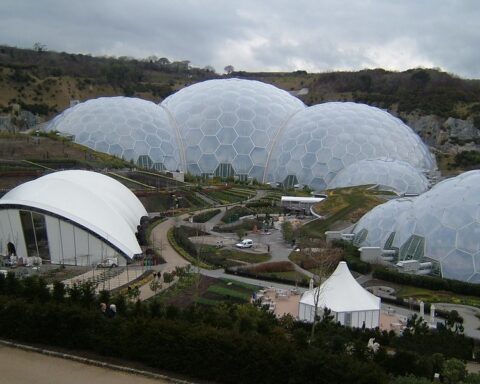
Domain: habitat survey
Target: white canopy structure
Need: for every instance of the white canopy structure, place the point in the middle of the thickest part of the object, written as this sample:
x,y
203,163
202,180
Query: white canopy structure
x,y
350,303
71,217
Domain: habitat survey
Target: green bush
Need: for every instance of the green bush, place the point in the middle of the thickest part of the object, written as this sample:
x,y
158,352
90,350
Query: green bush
x,y
235,213
205,216
428,282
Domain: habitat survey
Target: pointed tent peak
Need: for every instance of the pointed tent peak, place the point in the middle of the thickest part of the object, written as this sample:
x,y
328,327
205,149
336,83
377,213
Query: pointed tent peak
x,y
341,272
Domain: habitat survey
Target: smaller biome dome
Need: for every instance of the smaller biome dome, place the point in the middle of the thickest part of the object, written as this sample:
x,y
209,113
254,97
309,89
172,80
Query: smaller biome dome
x,y
129,128
321,140
393,175
374,229
441,227
228,126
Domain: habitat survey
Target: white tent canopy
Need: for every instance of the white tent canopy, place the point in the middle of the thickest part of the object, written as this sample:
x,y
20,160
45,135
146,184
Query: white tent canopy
x,y
89,200
349,302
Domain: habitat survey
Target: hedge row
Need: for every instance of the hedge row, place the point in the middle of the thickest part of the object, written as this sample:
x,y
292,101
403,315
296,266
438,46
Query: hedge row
x,y
253,275
205,216
429,282
224,344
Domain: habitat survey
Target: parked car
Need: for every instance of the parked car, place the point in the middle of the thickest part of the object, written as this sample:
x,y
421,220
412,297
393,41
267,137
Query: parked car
x,y
246,243
111,262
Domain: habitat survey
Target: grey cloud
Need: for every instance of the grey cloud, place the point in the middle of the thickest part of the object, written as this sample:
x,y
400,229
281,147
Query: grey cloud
x,y
252,35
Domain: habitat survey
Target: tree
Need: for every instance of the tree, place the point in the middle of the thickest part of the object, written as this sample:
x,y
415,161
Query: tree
x,y
454,371
155,285
455,322
416,325
209,68
229,69
39,47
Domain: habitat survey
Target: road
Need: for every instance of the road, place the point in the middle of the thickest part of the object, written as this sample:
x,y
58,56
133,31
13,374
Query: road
x,y
18,366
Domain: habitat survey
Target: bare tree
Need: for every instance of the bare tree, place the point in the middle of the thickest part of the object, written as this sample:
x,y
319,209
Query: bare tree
x,y
39,47
229,69
325,264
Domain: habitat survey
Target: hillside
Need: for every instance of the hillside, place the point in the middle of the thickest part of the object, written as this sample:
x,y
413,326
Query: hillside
x,y
442,108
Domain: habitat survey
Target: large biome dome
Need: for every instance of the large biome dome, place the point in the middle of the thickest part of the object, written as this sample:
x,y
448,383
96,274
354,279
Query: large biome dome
x,y
441,226
323,139
228,126
246,129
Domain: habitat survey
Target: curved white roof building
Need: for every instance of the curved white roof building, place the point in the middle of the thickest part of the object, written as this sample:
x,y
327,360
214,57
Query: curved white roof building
x,y
71,217
245,129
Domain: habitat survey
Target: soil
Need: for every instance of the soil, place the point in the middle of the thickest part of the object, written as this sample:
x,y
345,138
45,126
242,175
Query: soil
x,y
188,296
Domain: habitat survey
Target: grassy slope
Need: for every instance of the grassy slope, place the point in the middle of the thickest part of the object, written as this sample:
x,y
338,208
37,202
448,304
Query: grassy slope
x,y
346,204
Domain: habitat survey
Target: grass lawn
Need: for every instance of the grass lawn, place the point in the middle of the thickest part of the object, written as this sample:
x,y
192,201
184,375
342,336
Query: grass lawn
x,y
206,291
345,204
225,257
430,296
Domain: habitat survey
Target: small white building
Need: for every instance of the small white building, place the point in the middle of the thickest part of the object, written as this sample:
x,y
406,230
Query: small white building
x,y
300,204
350,303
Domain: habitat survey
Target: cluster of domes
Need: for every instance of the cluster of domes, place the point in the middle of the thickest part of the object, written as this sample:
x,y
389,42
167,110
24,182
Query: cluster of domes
x,y
441,226
250,130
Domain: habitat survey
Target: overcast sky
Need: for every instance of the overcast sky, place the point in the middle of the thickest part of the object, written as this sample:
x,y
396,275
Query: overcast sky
x,y
258,35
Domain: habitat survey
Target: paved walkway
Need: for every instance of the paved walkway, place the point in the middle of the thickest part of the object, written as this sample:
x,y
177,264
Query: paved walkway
x,y
128,274
18,366
471,323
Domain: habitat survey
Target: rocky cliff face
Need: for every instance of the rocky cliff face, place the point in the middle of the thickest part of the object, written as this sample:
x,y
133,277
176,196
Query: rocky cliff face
x,y
450,135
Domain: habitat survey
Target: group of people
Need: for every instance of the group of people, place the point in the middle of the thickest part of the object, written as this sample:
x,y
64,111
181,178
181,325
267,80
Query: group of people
x,y
108,311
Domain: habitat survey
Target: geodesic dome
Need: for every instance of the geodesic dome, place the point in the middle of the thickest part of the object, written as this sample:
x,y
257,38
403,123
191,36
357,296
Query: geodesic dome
x,y
323,139
397,176
130,128
441,226
243,128
228,126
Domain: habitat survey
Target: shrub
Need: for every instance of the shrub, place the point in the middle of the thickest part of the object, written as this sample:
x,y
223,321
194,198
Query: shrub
x,y
235,213
205,216
429,282
276,266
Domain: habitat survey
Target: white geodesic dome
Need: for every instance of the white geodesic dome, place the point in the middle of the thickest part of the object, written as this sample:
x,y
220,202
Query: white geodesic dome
x,y
323,139
229,125
441,226
129,128
394,175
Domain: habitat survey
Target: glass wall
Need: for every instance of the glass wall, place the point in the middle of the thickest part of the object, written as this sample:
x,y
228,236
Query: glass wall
x,y
35,233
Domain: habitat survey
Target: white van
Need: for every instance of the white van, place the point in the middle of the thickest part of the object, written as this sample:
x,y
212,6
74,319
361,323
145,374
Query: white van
x,y
246,243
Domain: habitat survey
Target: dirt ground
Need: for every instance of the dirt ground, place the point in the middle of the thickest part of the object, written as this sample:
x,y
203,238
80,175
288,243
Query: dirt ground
x,y
187,297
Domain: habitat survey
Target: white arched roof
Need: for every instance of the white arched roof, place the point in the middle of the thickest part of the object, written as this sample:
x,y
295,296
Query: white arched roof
x,y
341,293
92,200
